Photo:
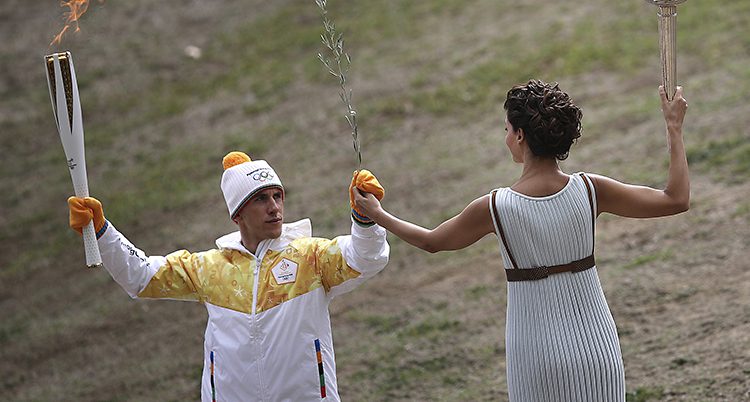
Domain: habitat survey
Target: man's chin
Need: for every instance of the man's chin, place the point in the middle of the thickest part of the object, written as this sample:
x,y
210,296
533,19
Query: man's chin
x,y
275,232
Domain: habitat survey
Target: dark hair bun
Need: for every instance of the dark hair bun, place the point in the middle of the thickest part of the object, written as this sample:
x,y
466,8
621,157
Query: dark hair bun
x,y
550,120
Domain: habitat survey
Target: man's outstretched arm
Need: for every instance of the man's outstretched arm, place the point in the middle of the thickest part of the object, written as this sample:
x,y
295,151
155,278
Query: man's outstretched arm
x,y
139,275
350,260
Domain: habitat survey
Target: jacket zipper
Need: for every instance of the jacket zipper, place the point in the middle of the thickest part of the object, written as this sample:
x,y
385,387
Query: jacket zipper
x,y
253,326
256,271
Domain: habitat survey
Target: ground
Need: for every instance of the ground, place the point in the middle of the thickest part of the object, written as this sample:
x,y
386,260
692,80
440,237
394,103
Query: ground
x,y
428,81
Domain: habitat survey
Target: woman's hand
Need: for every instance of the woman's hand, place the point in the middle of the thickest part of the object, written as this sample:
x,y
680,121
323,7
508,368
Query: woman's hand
x,y
363,181
366,203
674,110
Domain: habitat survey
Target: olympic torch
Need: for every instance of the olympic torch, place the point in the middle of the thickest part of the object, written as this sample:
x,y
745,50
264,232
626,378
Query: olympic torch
x,y
668,43
66,106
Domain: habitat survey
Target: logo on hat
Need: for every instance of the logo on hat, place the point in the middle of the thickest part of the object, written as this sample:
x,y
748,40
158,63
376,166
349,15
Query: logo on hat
x,y
262,175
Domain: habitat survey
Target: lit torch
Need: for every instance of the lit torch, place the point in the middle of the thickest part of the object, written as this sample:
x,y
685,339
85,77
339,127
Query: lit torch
x,y
668,43
66,106
76,8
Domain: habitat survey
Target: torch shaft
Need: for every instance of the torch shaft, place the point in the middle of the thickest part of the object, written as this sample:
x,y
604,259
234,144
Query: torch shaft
x,y
668,46
67,109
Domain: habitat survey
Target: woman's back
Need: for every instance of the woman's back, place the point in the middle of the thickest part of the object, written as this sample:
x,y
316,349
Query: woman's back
x,y
561,340
547,231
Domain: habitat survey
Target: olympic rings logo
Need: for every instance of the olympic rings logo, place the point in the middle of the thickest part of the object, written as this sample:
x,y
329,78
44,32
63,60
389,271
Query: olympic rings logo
x,y
262,176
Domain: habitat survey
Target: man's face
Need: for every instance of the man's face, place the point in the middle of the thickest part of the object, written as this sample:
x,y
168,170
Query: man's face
x,y
262,216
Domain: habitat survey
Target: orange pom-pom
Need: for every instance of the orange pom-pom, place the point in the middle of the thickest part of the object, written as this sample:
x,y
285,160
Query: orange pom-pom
x,y
234,158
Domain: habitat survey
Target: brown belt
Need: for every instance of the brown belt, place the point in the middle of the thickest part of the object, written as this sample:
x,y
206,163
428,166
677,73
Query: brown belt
x,y
516,274
533,274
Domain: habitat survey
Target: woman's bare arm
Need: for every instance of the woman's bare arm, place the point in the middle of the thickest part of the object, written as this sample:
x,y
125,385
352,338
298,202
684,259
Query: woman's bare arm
x,y
461,231
645,202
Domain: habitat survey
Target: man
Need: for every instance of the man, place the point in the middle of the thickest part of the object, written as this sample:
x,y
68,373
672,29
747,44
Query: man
x,y
266,287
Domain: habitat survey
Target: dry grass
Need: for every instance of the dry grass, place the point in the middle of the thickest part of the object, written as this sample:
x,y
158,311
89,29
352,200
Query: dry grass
x,y
428,79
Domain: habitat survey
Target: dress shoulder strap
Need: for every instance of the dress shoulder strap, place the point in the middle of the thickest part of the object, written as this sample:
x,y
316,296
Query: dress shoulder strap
x,y
499,227
589,191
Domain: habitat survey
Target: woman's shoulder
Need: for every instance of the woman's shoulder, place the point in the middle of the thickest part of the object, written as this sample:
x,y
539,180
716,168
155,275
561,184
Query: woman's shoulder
x,y
597,181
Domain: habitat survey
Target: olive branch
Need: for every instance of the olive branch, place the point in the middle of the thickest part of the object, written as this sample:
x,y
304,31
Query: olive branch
x,y
338,66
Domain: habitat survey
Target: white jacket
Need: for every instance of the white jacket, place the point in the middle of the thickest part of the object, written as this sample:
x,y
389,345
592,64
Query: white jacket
x,y
268,336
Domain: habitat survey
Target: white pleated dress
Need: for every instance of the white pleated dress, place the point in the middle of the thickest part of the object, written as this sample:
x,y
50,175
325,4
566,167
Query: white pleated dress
x,y
561,339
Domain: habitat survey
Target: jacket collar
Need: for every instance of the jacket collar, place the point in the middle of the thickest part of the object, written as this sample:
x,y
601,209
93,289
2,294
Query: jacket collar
x,y
289,232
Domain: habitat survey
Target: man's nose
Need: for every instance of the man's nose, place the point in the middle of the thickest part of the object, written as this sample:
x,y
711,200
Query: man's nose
x,y
274,205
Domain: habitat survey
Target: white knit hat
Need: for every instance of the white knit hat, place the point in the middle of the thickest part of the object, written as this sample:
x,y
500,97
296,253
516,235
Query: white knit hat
x,y
243,178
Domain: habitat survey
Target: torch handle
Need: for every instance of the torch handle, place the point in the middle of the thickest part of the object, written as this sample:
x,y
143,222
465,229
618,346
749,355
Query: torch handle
x,y
66,106
93,257
668,45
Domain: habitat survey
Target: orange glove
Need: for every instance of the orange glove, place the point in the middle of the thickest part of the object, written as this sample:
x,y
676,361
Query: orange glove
x,y
82,210
367,182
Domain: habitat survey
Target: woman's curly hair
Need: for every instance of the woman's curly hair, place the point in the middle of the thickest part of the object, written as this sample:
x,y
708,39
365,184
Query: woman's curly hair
x,y
550,120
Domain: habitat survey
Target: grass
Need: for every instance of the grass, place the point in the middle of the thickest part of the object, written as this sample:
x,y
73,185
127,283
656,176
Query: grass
x,y
166,180
11,329
561,50
723,16
251,141
478,292
416,355
429,79
381,324
682,361
615,45
743,210
645,394
662,255
727,159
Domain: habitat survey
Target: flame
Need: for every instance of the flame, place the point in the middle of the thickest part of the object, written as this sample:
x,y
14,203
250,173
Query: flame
x,y
76,8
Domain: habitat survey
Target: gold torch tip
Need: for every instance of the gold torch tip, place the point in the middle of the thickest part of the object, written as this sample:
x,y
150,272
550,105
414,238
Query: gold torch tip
x,y
665,3
58,54
50,59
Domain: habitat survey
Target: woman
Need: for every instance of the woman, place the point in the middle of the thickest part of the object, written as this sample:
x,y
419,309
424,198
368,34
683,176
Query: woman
x,y
561,340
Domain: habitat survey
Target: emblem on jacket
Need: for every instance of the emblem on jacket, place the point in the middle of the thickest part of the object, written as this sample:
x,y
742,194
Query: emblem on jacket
x,y
285,271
